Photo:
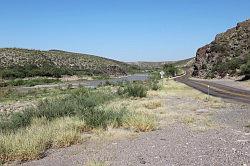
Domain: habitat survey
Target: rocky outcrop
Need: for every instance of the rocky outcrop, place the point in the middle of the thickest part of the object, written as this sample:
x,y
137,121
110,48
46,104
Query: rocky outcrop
x,y
225,55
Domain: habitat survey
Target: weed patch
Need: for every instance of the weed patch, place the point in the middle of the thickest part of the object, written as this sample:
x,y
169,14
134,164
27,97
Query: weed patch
x,y
31,142
140,122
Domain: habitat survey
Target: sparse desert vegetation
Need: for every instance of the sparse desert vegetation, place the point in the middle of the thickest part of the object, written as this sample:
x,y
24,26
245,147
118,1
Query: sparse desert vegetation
x,y
63,117
67,116
148,99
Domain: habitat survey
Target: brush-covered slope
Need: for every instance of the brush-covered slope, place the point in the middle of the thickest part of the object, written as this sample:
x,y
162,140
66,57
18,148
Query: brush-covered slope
x,y
26,63
155,65
227,55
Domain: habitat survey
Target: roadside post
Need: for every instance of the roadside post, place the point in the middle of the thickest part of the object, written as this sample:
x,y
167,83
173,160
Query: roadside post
x,y
208,91
162,76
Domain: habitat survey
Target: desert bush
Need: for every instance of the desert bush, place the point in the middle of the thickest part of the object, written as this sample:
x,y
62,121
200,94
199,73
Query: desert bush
x,y
245,68
16,120
170,70
229,66
133,90
101,117
154,85
154,76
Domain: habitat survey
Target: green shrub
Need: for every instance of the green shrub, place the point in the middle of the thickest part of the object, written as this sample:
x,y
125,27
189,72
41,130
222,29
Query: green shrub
x,y
155,76
245,68
30,82
99,117
120,91
230,65
16,120
154,85
133,90
170,70
80,102
33,70
210,74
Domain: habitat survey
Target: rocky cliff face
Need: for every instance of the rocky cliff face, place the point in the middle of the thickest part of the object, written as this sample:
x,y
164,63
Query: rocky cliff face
x,y
226,55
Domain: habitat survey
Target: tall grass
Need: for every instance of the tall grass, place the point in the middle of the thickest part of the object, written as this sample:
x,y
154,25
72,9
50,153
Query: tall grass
x,y
31,142
60,122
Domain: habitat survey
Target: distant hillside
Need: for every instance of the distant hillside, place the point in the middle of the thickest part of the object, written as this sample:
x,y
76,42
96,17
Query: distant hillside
x,y
151,65
15,62
185,62
227,55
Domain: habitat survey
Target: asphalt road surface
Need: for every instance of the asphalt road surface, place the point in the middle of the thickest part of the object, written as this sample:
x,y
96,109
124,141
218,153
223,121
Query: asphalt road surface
x,y
216,89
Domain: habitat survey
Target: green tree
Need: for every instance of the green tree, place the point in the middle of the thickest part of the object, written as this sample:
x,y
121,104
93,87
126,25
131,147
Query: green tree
x,y
170,70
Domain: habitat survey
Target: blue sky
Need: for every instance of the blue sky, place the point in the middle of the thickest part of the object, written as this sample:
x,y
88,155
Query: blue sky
x,y
127,30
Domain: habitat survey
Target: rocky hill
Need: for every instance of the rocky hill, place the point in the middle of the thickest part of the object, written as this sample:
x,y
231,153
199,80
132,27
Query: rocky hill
x,y
228,55
15,61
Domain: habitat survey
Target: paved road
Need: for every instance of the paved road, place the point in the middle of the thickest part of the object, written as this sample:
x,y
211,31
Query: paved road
x,y
216,89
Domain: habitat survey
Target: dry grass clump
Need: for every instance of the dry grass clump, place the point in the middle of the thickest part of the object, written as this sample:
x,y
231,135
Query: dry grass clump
x,y
140,122
188,119
197,122
152,104
31,142
96,163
